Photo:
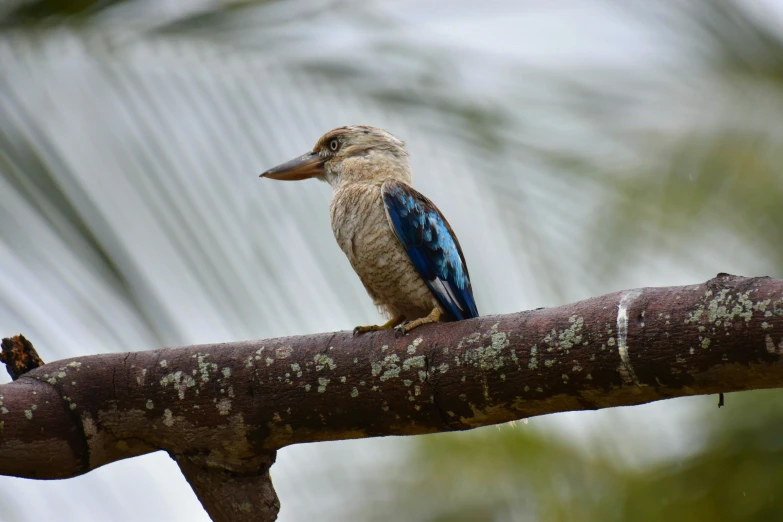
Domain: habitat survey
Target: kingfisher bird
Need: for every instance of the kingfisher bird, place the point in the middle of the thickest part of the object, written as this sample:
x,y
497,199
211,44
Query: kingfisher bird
x,y
397,241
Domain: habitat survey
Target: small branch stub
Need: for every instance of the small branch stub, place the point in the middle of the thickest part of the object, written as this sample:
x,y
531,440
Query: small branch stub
x,y
19,356
232,497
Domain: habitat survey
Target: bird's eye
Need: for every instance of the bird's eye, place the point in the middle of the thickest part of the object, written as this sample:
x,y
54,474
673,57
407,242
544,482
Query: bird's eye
x,y
334,145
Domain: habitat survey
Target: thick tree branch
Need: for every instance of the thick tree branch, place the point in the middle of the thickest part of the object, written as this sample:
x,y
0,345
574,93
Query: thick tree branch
x,y
222,410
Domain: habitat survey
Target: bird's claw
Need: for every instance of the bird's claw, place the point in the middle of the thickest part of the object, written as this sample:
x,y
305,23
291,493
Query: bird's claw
x,y
388,325
364,329
399,331
360,330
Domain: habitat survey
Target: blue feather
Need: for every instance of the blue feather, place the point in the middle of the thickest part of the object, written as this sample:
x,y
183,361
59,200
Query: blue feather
x,y
432,248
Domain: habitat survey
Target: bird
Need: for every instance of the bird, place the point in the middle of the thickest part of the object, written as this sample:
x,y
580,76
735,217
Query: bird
x,y
397,241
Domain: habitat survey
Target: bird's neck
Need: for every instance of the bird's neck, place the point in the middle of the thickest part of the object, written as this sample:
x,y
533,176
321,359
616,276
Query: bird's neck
x,y
372,169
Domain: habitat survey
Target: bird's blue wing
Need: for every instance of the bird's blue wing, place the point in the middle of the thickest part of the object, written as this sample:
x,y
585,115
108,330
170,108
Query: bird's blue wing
x,y
432,247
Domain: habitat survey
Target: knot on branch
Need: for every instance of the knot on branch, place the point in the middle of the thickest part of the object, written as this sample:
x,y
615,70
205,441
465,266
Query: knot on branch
x,y
19,356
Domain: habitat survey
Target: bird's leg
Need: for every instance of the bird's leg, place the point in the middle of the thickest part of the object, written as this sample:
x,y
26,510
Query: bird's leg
x,y
434,317
388,325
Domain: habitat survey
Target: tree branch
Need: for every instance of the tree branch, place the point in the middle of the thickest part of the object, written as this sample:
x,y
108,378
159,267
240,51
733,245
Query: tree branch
x,y
222,410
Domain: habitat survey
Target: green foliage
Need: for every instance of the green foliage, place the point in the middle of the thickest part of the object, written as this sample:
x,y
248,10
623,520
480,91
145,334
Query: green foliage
x,y
522,473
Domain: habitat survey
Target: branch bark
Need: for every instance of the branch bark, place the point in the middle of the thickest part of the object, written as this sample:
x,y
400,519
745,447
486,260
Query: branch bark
x,y
222,410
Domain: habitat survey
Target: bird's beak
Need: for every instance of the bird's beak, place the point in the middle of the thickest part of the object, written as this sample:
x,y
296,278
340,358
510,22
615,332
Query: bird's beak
x,y
305,166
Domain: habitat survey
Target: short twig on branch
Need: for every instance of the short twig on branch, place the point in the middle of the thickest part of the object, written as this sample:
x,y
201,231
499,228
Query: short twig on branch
x,y
19,356
222,410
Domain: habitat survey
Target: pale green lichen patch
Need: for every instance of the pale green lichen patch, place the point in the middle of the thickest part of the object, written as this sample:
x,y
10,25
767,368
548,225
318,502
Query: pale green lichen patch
x,y
71,404
28,414
407,382
323,382
388,368
150,405
269,361
74,364
307,387
168,418
705,343
226,372
418,361
533,364
296,368
180,382
724,307
571,336
611,341
224,406
163,363
284,352
141,378
489,357
204,367
765,325
323,361
771,345
354,392
761,306
3,410
343,379
695,315
549,362
443,367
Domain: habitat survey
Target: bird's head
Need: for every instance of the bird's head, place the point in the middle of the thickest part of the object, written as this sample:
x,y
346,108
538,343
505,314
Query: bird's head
x,y
355,154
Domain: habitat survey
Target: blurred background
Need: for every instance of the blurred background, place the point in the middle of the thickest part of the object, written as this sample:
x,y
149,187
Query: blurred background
x,y
577,147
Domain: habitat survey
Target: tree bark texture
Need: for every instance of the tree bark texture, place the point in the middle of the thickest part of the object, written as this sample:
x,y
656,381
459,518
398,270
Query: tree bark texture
x,y
222,410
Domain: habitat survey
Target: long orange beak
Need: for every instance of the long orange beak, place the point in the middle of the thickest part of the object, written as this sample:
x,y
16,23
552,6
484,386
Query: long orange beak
x,y
305,166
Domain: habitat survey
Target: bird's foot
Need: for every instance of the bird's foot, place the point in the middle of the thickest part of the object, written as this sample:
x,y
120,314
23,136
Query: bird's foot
x,y
433,317
388,325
